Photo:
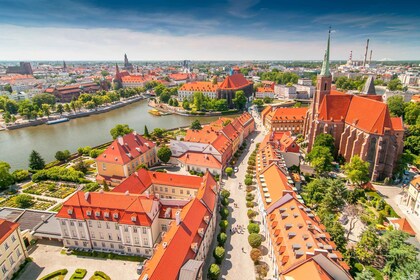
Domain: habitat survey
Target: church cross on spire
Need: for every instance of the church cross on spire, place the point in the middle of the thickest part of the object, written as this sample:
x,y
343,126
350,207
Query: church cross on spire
x,y
325,70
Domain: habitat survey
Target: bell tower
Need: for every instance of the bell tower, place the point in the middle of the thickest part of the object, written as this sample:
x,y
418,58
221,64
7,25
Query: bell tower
x,y
324,79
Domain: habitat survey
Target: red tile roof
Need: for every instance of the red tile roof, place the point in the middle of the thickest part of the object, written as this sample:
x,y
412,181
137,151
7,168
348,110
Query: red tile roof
x,y
6,229
235,82
334,107
179,76
404,225
125,149
397,123
206,135
125,206
199,86
287,114
206,160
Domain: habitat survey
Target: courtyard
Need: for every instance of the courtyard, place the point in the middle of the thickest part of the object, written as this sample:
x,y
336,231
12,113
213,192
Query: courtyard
x,y
47,258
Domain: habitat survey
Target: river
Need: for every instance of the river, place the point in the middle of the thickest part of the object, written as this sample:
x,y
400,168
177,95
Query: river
x,y
16,145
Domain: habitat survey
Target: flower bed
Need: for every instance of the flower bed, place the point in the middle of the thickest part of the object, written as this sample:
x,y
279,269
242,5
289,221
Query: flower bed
x,y
50,189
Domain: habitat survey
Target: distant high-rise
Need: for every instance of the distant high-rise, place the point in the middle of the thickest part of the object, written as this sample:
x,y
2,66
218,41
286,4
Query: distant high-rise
x,y
24,68
64,66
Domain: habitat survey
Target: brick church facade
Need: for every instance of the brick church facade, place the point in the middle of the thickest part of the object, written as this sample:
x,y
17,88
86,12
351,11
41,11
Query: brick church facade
x,y
360,124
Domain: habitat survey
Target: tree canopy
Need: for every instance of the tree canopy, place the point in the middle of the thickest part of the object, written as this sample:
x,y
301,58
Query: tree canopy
x,y
36,162
6,179
357,170
321,159
240,99
396,105
120,130
196,125
164,154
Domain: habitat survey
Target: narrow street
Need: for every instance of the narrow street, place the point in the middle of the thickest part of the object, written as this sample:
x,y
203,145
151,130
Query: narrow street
x,y
238,264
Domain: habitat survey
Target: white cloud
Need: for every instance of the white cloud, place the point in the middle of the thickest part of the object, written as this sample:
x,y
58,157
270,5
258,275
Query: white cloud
x,y
48,43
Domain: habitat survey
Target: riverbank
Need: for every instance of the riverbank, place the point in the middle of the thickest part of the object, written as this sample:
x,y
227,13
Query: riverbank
x,y
75,115
166,109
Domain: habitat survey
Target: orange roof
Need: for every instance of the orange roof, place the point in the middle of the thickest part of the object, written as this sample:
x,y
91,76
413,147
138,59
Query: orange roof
x,y
199,86
6,229
265,89
397,123
334,107
103,206
302,233
207,160
140,181
285,114
221,143
235,81
275,182
404,225
205,135
245,119
179,76
125,149
415,98
284,141
135,79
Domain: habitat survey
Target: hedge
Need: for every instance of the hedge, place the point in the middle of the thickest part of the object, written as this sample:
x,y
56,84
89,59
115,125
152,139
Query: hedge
x,y
57,173
54,274
100,275
80,273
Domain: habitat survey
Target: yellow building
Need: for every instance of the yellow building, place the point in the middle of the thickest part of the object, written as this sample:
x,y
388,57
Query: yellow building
x,y
123,156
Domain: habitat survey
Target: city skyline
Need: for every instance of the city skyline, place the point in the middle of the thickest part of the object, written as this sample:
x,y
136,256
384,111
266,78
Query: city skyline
x,y
220,30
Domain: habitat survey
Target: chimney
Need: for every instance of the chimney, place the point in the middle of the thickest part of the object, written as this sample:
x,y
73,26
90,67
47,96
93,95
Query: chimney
x,y
366,52
127,193
134,132
120,140
370,57
137,174
147,194
87,196
178,217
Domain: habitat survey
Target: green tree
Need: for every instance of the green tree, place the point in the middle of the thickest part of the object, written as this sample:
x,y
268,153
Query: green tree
x,y
8,88
67,108
258,102
321,159
267,100
198,98
254,239
335,195
224,212
146,132
6,179
240,99
46,110
158,132
24,200
367,247
410,270
223,225
412,113
253,228
229,171
357,170
221,238
43,98
62,155
255,255
120,130
214,271
396,105
90,105
365,275
325,140
104,73
219,254
196,125
36,162
164,154
81,166
395,84
165,96
186,104
315,190
60,109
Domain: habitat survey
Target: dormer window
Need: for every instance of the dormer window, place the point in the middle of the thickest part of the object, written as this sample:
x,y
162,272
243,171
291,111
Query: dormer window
x,y
70,211
97,213
115,215
106,214
133,218
88,212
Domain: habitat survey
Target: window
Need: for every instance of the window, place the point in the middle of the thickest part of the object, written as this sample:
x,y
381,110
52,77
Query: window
x,y
66,232
97,213
106,214
18,253
107,225
13,238
6,246
71,223
144,230
112,245
115,215
11,260
173,190
121,247
134,229
103,166
90,223
101,235
127,239
161,189
109,236
166,189
103,245
4,269
136,240
129,249
82,234
63,222
88,212
85,244
94,243
126,228
137,250
80,224
92,234
164,227
116,226
76,243
73,233
99,224
145,241
188,192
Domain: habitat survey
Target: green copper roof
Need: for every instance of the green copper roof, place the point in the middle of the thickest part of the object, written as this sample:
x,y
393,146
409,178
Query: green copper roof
x,y
325,71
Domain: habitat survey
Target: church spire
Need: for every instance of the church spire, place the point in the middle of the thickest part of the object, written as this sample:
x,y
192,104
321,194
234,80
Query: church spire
x,y
117,70
325,71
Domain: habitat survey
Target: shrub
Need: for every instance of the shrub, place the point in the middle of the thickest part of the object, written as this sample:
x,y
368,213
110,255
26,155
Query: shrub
x,y
377,274
223,225
254,239
358,267
20,175
249,197
225,193
225,201
249,188
249,204
54,274
255,255
101,275
91,187
229,171
251,213
57,173
94,153
80,273
262,270
214,272
219,254
24,200
224,212
221,238
253,228
248,181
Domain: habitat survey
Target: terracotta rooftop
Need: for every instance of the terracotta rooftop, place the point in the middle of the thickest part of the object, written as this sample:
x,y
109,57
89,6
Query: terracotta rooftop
x,y
234,82
199,86
207,160
287,114
6,229
403,225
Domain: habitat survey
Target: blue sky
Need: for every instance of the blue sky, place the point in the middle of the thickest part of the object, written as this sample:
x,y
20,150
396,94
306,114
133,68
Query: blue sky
x,y
229,29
